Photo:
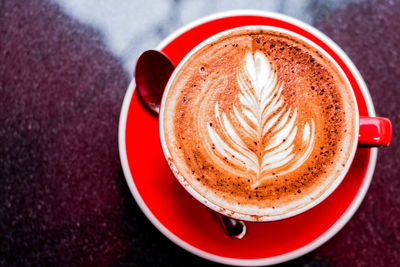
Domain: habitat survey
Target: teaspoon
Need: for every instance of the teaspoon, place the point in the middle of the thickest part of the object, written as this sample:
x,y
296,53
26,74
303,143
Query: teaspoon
x,y
152,73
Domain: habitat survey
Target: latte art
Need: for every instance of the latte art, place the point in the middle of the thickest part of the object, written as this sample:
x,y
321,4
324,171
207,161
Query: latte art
x,y
264,118
258,123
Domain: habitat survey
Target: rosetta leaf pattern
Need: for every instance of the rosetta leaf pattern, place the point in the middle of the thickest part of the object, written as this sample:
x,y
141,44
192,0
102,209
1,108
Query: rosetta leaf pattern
x,y
260,113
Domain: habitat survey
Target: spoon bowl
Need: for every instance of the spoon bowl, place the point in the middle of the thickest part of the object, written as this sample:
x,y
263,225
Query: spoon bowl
x,y
152,73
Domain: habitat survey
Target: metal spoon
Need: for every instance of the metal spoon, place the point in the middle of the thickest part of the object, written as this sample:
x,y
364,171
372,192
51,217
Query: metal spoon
x,y
152,72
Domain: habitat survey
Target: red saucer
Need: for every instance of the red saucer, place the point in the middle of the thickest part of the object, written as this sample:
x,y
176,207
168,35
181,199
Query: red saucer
x,y
193,226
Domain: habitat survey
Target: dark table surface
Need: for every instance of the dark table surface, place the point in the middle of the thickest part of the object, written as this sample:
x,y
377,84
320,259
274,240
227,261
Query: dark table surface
x,y
63,196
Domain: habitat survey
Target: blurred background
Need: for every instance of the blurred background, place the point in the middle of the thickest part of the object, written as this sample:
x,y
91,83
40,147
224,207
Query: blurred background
x,y
129,27
64,69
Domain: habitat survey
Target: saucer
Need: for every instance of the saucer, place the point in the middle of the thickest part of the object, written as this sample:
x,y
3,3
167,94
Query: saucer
x,y
194,227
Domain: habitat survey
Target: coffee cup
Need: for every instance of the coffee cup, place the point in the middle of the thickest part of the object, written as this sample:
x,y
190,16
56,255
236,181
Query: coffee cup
x,y
253,183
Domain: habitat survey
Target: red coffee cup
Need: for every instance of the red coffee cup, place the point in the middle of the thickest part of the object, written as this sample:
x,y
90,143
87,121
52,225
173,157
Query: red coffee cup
x,y
369,132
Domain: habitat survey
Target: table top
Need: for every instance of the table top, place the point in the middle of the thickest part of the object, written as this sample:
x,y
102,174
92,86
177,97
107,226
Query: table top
x,y
64,69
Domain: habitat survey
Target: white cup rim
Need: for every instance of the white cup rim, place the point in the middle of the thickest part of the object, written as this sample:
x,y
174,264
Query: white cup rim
x,y
223,210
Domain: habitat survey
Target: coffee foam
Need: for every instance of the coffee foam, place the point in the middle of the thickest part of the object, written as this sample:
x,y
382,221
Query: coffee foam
x,y
259,123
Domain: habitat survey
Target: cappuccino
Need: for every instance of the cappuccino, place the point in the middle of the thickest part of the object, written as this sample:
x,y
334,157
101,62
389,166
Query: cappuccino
x,y
259,122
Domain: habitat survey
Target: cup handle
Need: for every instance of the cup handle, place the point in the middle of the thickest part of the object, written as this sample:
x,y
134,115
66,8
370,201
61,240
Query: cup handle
x,y
374,131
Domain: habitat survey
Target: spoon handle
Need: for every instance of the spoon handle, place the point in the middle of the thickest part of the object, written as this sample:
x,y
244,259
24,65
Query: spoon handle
x,y
234,228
